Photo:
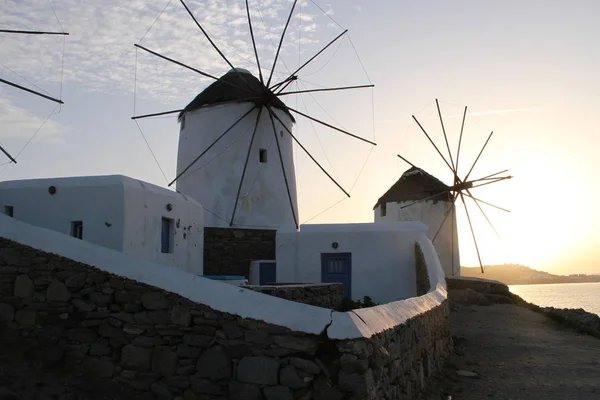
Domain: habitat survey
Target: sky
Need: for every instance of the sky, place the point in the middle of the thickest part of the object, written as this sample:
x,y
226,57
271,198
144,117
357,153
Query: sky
x,y
526,71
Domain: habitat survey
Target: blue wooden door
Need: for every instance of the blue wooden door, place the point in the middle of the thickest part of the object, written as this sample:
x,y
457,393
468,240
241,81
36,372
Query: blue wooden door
x,y
337,268
267,273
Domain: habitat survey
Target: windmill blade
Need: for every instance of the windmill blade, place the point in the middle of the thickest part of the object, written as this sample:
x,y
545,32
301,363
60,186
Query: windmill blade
x,y
485,202
436,148
254,43
488,177
325,89
31,91
281,42
310,59
408,162
502,178
455,196
479,155
213,143
287,186
331,126
157,114
308,153
472,231
213,43
445,137
237,197
285,82
7,154
284,86
183,109
32,32
462,127
483,212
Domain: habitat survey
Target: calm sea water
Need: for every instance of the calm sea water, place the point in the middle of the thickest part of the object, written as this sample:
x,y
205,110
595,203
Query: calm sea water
x,y
562,295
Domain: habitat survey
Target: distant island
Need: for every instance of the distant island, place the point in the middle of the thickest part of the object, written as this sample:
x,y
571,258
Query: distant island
x,y
514,274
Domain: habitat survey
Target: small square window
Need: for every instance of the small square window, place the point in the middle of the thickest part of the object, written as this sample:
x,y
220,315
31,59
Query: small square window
x,y
77,229
9,210
262,155
383,210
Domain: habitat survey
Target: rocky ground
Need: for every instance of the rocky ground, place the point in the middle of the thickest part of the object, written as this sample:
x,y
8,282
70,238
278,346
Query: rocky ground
x,y
516,351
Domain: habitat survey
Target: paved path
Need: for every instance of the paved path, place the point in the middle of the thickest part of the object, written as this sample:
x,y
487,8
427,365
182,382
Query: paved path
x,y
519,354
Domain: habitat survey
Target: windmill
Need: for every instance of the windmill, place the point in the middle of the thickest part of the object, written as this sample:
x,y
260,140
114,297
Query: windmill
x,y
21,87
461,187
239,100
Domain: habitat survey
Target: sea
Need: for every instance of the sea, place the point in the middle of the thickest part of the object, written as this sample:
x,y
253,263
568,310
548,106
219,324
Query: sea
x,y
562,295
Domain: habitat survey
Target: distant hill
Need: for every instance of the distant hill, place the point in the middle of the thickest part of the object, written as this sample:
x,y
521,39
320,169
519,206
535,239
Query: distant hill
x,y
515,274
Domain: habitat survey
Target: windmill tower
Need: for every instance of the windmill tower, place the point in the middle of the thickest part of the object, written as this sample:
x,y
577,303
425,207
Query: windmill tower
x,y
242,130
433,202
430,202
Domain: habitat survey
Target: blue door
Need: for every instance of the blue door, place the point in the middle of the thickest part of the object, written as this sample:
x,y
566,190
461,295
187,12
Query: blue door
x,y
267,273
337,268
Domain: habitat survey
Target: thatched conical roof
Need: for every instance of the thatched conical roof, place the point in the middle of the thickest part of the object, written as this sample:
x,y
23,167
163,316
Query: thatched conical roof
x,y
415,184
221,92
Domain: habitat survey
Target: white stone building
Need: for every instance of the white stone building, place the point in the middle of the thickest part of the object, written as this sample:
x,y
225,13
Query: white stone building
x,y
214,180
369,259
414,185
117,212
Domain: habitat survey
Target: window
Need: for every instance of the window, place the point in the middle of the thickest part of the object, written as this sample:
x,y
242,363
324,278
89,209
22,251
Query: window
x,y
262,155
383,210
166,235
9,210
77,229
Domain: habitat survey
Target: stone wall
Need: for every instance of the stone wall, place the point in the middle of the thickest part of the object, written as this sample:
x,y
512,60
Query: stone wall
x,y
326,295
230,251
106,332
423,284
485,286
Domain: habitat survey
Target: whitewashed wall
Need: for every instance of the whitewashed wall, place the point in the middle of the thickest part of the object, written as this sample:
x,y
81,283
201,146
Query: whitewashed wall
x,y
118,212
214,179
431,214
383,256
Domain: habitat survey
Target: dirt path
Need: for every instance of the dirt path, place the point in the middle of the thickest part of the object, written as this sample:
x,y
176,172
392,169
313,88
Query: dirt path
x,y
519,354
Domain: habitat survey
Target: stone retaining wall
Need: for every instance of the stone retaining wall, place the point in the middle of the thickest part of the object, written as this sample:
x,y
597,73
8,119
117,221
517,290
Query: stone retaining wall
x,y
105,331
485,286
229,251
326,295
423,285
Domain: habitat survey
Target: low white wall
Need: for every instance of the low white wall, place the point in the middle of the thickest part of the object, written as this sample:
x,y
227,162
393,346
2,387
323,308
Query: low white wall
x,y
362,323
383,256
431,214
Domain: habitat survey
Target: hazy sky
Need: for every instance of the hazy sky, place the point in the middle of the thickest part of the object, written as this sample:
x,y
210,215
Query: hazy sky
x,y
526,70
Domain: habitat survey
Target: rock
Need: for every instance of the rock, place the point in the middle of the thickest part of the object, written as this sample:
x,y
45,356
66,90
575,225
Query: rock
x,y
82,335
305,365
7,312
101,299
164,361
181,382
161,391
278,393
289,377
25,317
467,374
152,317
82,305
146,341
214,364
136,358
356,383
197,340
295,343
323,390
232,330
155,301
181,316
183,350
57,291
100,349
189,395
204,386
134,329
98,367
260,370
244,391
24,287
52,355
124,317
76,281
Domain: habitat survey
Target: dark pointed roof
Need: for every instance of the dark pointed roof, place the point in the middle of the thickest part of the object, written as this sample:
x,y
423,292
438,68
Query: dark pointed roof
x,y
415,184
220,92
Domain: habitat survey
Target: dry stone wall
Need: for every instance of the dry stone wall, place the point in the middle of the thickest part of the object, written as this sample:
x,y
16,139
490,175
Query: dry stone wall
x,y
105,331
326,295
229,251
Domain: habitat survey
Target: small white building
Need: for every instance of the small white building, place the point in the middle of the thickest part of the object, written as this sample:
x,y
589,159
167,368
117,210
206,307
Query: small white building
x,y
369,259
413,186
121,213
215,178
